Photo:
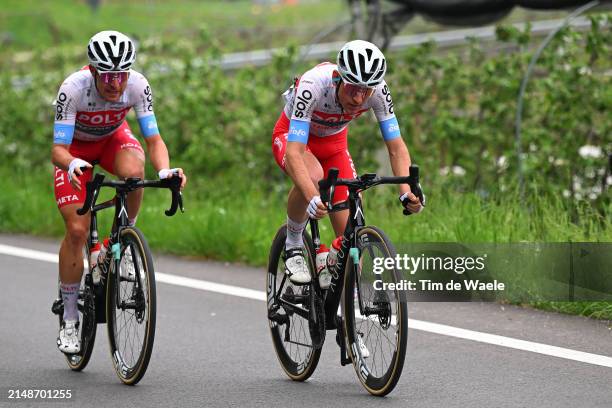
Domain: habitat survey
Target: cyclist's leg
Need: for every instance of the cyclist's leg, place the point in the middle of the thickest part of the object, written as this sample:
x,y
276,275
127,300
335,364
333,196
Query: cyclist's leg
x,y
68,201
296,202
124,157
71,250
295,263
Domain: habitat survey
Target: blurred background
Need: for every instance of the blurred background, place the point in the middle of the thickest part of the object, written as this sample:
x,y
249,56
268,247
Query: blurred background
x,y
218,68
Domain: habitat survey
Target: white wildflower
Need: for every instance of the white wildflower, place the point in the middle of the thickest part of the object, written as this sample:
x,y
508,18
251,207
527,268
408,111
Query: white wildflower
x,y
458,171
589,151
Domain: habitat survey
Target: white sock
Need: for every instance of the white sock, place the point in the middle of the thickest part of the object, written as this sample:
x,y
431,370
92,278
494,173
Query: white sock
x,y
294,233
132,221
70,294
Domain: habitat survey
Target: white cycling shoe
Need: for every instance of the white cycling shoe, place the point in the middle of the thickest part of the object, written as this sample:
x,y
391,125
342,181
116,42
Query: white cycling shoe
x,y
126,270
68,339
365,353
295,266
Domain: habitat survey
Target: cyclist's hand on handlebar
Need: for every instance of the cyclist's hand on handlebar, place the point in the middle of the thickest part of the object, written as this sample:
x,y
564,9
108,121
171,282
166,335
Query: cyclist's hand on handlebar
x,y
411,202
76,169
316,209
176,172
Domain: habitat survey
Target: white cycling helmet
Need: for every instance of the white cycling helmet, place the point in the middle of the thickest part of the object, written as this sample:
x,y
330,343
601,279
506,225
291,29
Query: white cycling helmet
x,y
111,51
361,63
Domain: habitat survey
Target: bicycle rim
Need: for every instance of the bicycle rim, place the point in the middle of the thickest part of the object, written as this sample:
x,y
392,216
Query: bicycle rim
x,y
384,332
131,307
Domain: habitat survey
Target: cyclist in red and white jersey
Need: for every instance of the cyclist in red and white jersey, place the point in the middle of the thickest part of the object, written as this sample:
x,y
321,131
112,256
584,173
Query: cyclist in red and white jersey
x,y
90,127
310,137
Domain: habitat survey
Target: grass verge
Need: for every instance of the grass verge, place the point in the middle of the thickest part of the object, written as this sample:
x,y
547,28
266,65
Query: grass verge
x,y
239,227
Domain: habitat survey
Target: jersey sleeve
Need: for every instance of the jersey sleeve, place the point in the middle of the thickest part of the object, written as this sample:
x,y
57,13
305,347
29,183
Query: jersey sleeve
x,y
65,113
304,101
383,110
142,95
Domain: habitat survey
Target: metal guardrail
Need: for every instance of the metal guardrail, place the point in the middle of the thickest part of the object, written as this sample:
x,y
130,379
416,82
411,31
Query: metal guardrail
x,y
443,39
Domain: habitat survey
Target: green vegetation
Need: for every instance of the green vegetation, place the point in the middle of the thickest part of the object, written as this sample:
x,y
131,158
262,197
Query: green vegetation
x,y
240,226
238,25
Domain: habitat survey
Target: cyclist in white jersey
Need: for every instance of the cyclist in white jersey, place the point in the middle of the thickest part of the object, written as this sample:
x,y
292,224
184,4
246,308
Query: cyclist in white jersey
x,y
310,137
90,127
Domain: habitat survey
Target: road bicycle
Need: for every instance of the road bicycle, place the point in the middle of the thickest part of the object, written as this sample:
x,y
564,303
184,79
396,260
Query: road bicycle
x,y
125,296
372,326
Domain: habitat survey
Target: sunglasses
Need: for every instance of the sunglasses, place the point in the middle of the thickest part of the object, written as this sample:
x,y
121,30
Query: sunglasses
x,y
356,90
109,77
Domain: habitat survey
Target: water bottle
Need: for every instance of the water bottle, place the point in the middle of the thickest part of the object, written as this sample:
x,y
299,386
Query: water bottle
x,y
332,258
97,263
322,272
94,252
322,253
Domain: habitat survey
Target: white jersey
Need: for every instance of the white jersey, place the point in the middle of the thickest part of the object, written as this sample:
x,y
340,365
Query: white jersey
x,y
81,112
314,109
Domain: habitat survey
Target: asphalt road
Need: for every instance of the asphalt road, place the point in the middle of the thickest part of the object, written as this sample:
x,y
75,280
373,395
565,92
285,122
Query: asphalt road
x,y
214,349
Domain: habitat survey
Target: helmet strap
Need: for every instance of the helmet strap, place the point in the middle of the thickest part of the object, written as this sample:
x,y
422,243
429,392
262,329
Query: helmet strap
x,y
337,80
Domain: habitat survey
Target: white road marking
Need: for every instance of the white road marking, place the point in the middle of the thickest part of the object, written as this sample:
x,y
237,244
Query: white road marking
x,y
429,327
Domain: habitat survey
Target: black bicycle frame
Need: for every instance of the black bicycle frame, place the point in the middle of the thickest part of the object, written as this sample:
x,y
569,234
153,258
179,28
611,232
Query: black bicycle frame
x,y
355,221
349,240
121,216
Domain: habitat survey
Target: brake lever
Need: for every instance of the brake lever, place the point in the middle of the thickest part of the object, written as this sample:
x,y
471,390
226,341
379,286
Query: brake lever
x,y
180,201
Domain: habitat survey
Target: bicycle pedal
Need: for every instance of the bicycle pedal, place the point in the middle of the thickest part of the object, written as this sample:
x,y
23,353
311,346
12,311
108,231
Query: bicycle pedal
x,y
278,318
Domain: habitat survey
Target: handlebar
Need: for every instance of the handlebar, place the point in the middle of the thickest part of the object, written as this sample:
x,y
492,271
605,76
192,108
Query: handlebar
x,y
327,185
131,184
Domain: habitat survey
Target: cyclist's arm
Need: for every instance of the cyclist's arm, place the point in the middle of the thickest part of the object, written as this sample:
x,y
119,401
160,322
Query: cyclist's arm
x,y
304,101
400,164
399,157
60,156
156,147
158,152
382,104
63,127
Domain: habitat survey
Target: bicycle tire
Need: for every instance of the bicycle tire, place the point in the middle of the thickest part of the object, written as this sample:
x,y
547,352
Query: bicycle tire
x,y
376,380
132,243
296,370
87,319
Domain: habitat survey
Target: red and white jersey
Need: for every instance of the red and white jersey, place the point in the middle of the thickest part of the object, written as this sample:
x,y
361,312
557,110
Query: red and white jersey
x,y
81,112
314,101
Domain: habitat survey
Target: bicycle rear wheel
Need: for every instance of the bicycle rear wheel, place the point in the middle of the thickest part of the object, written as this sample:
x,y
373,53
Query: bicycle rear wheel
x,y
289,326
87,320
131,306
382,324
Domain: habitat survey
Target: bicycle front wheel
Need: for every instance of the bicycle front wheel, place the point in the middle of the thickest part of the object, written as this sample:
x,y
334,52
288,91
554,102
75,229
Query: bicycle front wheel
x,y
375,321
131,306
